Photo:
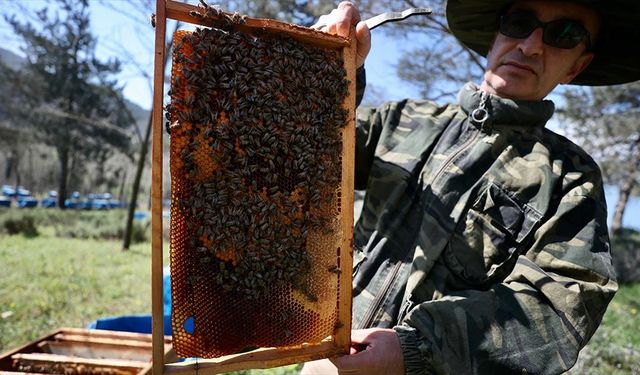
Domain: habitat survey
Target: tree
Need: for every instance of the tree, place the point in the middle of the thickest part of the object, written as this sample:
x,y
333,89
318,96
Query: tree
x,y
300,12
13,143
435,62
64,93
606,121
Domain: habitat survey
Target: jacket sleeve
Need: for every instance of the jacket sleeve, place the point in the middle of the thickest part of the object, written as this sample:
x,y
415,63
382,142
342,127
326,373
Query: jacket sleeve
x,y
369,125
368,129
539,317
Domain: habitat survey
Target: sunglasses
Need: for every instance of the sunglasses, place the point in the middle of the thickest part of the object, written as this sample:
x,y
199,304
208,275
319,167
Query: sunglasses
x,y
562,33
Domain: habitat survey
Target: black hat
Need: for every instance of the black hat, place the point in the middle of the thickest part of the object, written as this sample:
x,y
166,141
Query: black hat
x,y
616,52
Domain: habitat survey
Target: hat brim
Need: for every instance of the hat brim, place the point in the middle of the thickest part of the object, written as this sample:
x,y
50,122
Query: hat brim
x,y
616,52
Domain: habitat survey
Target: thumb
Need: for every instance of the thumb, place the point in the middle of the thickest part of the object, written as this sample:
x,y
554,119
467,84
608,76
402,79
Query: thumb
x,y
363,40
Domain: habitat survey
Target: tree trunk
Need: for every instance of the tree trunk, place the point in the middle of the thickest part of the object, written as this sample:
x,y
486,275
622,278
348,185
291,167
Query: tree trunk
x,y
625,191
143,156
18,177
15,165
136,186
8,169
123,181
623,199
63,157
100,173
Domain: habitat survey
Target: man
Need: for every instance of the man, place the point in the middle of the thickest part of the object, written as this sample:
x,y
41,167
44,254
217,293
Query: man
x,y
482,246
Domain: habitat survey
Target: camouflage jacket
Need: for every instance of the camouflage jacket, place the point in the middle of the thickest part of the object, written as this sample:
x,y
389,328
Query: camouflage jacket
x,y
484,245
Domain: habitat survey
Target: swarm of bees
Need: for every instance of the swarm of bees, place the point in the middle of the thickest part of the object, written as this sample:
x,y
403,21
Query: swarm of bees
x,y
256,130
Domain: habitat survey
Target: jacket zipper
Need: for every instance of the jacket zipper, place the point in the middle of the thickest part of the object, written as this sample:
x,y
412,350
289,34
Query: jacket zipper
x,y
479,116
375,305
453,156
394,272
406,306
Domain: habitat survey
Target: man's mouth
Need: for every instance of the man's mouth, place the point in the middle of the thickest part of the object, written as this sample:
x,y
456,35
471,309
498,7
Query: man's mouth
x,y
520,66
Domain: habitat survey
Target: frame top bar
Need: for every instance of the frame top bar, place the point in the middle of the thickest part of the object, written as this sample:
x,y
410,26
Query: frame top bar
x,y
180,12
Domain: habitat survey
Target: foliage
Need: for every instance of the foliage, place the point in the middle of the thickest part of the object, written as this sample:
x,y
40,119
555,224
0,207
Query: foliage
x,y
605,121
625,251
628,239
615,347
74,223
105,225
63,94
16,222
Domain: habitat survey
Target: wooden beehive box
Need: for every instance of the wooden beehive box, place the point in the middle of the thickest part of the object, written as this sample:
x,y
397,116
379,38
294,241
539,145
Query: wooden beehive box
x,y
82,351
261,125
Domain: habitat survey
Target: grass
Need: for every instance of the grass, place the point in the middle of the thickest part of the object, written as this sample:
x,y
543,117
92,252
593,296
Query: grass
x,y
103,225
615,347
50,282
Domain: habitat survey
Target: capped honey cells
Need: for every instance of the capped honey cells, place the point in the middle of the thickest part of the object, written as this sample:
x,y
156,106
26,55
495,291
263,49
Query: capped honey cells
x,y
255,125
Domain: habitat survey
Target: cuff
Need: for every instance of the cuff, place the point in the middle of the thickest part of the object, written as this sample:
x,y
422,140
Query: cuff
x,y
415,352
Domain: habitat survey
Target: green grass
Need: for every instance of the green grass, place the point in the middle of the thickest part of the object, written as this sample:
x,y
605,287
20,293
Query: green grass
x,y
615,347
623,317
103,225
50,282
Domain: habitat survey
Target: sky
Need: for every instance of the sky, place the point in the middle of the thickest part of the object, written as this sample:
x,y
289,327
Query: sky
x,y
113,28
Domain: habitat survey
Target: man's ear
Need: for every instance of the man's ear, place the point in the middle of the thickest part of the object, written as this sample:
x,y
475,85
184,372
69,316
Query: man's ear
x,y
581,64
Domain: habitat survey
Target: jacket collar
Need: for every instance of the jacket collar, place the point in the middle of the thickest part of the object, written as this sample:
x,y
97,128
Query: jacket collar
x,y
506,111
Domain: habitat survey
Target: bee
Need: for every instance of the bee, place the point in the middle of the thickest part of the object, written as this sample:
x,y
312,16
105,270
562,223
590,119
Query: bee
x,y
195,14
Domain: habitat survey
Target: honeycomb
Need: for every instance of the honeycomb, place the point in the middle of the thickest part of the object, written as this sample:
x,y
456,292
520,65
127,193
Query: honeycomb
x,y
255,125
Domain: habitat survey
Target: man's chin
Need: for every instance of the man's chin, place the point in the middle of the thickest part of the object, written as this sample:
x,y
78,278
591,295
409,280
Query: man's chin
x,y
507,88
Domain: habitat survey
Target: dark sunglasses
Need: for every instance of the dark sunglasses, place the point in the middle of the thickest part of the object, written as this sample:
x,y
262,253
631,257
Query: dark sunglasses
x,y
562,33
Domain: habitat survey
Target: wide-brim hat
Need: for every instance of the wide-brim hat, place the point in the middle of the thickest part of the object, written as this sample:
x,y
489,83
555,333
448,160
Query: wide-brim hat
x,y
616,51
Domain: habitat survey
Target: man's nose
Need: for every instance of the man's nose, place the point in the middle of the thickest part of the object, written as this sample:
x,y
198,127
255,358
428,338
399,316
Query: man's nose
x,y
533,44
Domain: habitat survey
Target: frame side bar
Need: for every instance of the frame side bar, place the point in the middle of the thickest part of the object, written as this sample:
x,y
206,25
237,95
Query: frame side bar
x,y
157,307
342,334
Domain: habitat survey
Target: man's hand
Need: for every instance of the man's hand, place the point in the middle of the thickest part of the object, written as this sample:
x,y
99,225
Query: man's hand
x,y
374,351
340,21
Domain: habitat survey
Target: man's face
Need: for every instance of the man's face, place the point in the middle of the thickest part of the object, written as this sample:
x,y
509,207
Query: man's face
x,y
528,69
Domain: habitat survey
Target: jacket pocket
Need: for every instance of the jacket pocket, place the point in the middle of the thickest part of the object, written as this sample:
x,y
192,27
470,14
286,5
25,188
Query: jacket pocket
x,y
487,240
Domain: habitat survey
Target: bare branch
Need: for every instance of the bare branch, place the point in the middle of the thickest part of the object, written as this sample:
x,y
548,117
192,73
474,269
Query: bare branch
x,y
100,124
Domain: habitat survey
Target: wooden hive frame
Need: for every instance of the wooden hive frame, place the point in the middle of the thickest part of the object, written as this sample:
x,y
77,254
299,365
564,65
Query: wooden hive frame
x,y
337,344
73,349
